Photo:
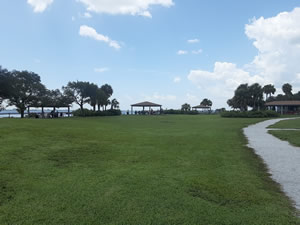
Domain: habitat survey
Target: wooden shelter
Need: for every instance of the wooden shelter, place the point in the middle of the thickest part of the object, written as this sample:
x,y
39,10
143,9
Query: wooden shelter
x,y
202,107
284,107
49,106
144,105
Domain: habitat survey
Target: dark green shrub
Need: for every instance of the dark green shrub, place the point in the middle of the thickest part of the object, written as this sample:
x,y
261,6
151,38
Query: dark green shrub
x,y
89,113
177,111
249,114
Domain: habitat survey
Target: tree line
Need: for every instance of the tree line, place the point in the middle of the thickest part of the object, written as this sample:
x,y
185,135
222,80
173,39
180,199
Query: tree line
x,y
246,96
205,102
24,89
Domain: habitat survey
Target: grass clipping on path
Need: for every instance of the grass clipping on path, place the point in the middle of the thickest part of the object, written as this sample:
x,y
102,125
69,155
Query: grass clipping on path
x,y
135,170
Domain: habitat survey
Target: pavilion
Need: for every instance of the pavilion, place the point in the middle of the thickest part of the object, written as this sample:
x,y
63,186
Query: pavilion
x,y
144,105
284,107
202,107
49,106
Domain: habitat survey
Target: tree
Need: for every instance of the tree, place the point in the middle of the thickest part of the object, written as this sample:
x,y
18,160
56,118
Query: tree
x,y
25,87
269,90
186,107
92,92
78,91
256,96
241,98
107,102
107,90
5,83
114,104
206,102
100,98
287,89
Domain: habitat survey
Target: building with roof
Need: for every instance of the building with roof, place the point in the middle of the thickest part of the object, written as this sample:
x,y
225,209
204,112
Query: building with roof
x,y
144,105
202,107
284,107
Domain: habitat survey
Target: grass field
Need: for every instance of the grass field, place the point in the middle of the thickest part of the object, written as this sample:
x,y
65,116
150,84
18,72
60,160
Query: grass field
x,y
292,137
135,170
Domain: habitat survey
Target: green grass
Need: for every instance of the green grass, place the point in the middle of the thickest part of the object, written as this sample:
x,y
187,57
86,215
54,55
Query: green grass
x,y
135,170
288,124
291,136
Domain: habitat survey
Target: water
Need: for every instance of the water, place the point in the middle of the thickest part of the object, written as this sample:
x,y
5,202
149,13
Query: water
x,y
12,113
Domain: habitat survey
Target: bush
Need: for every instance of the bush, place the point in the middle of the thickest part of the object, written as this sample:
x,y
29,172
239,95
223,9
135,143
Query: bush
x,y
177,111
250,114
88,113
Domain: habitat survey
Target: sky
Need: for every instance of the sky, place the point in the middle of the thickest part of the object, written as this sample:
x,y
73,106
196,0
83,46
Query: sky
x,y
169,52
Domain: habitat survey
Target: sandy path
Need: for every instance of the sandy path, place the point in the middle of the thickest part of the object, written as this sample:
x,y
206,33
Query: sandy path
x,y
282,159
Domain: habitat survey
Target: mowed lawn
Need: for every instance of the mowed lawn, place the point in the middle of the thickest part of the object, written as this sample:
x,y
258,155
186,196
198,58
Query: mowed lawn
x,y
293,137
135,170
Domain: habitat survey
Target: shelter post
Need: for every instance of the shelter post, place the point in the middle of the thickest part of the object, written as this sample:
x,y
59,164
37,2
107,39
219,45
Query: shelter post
x,y
43,115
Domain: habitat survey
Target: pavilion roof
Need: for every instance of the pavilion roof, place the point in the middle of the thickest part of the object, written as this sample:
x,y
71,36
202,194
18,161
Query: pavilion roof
x,y
146,104
201,107
283,103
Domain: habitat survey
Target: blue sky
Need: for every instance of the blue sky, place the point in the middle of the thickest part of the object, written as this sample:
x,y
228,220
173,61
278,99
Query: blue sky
x,y
166,51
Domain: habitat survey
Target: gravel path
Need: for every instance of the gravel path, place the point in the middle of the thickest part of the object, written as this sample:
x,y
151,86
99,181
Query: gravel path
x,y
282,159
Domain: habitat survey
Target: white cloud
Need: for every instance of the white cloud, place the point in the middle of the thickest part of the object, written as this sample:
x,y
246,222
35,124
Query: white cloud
x,y
277,40
90,32
177,79
224,74
124,7
193,41
182,52
87,15
159,97
197,52
220,84
101,70
39,5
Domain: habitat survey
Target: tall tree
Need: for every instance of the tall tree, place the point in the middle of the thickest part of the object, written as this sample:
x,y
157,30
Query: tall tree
x,y
287,89
92,92
107,90
101,98
269,90
114,104
26,87
107,102
206,102
5,84
78,91
186,107
241,98
256,96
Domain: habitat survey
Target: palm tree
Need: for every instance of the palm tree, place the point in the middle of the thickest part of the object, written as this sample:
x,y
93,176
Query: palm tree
x,y
269,90
186,107
256,94
287,89
107,102
101,98
114,104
